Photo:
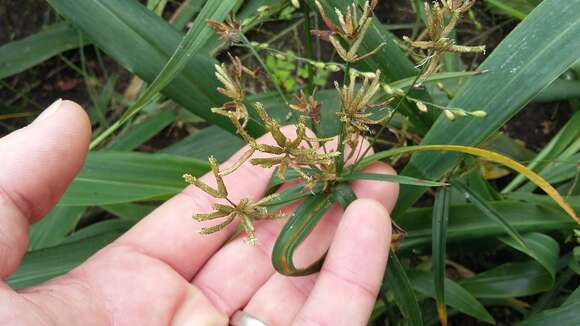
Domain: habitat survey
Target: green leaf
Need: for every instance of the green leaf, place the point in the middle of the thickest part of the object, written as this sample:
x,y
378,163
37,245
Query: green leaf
x,y
20,55
439,243
516,8
534,54
510,280
470,226
101,229
489,155
456,296
114,25
343,195
207,142
566,315
54,227
295,231
187,10
559,90
397,280
44,264
477,183
289,196
407,82
539,247
199,33
559,143
130,212
504,144
392,178
143,131
121,177
488,210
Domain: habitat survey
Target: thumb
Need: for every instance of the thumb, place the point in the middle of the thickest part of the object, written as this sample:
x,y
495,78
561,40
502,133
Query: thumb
x,y
37,164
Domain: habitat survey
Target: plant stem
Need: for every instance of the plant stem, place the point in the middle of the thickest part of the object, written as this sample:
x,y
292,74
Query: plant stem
x,y
384,125
340,146
247,44
308,45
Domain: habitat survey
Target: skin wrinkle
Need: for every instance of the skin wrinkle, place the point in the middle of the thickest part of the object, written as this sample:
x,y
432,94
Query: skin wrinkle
x,y
41,315
126,249
78,274
303,320
219,302
73,279
178,305
305,293
23,205
366,289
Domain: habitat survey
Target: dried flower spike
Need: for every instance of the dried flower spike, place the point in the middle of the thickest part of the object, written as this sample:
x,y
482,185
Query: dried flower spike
x,y
228,31
245,210
441,20
351,29
307,105
354,107
231,78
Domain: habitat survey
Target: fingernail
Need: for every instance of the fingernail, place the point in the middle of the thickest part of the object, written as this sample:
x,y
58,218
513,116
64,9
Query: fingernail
x,y
51,110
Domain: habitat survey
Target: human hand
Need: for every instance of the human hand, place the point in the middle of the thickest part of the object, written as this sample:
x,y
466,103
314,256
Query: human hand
x,y
162,272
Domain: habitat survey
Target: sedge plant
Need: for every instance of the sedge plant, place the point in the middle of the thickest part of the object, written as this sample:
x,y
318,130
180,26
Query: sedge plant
x,y
324,165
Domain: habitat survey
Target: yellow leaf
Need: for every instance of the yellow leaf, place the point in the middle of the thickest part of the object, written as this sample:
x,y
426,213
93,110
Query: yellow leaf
x,y
486,154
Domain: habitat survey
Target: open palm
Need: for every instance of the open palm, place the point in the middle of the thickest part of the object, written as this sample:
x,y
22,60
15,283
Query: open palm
x,y
162,272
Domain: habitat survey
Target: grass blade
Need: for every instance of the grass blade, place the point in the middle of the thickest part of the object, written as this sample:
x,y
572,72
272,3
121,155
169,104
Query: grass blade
x,y
559,143
533,55
488,210
469,223
439,243
392,178
489,155
53,229
204,143
141,132
296,229
456,296
112,25
539,247
44,264
20,55
397,280
191,43
121,177
509,280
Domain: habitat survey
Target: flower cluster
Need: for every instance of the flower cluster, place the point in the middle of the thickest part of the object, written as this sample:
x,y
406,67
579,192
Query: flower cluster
x,y
246,210
231,78
304,154
441,20
351,30
355,105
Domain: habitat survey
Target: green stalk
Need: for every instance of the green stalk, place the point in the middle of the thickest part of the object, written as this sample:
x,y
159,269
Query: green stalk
x,y
247,44
308,45
384,125
340,161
